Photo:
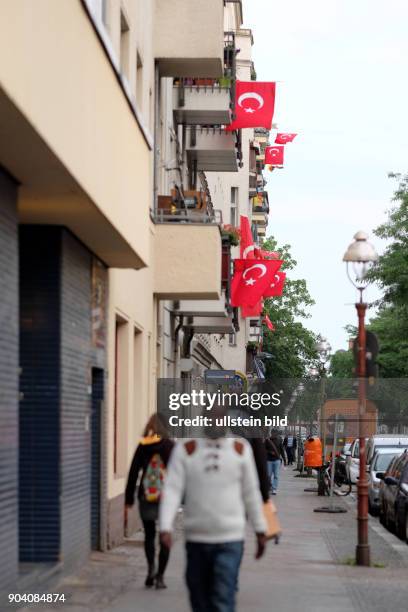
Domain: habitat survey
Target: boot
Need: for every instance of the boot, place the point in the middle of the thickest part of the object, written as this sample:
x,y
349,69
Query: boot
x,y
149,582
160,582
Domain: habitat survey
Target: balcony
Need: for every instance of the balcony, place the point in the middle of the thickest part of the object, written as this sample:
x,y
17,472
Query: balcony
x,y
205,102
213,149
211,325
187,255
260,218
189,38
83,172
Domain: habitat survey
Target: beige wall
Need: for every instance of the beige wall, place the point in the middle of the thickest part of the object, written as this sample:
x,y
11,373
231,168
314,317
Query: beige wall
x,y
132,303
56,54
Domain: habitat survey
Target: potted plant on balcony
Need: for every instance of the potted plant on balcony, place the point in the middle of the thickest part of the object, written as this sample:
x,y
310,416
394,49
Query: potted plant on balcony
x,y
232,233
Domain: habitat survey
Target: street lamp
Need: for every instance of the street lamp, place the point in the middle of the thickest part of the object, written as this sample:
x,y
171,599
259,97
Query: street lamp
x,y
359,257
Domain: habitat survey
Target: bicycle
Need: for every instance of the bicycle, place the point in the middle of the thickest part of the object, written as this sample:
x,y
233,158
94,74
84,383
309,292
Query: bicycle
x,y
341,484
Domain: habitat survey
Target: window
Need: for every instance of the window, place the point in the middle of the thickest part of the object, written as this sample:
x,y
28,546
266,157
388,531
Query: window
x,y
124,46
121,398
139,82
234,202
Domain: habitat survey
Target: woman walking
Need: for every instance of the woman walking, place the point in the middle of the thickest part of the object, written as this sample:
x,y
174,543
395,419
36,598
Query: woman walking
x,y
151,458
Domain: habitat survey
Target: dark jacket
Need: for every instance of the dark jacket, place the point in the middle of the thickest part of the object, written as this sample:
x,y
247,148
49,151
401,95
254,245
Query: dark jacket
x,y
274,448
258,448
141,460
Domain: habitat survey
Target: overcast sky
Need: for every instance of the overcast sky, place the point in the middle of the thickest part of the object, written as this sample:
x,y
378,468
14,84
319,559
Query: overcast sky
x,y
341,68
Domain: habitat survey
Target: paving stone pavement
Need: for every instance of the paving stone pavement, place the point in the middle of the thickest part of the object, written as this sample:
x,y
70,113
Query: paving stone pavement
x,y
305,572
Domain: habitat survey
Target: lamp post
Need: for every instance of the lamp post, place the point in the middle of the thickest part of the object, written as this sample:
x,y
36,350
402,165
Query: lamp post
x,y
360,256
323,349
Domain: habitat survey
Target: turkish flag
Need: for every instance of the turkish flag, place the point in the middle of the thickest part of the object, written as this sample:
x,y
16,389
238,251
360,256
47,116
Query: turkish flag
x,y
274,155
254,105
268,323
283,138
252,311
268,254
247,247
275,289
251,279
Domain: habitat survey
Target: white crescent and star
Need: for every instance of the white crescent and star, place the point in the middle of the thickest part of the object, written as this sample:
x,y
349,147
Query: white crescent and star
x,y
251,281
247,250
277,279
247,96
274,151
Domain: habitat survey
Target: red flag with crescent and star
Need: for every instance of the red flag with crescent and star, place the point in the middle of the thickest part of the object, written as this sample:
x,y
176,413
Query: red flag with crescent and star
x,y
251,279
254,105
246,243
283,138
266,320
275,289
274,155
252,311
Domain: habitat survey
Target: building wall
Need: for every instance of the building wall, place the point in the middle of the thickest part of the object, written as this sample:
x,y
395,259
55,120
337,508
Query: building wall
x,y
73,100
39,419
8,380
56,357
75,381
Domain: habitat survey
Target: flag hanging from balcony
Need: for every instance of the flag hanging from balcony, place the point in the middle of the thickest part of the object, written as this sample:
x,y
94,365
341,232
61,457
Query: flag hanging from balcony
x,y
252,311
254,105
275,289
274,155
251,279
269,254
283,138
247,247
266,320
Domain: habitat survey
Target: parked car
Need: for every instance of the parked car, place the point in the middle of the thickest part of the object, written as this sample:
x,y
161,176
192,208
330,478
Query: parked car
x,y
372,444
345,451
353,461
384,441
377,467
393,499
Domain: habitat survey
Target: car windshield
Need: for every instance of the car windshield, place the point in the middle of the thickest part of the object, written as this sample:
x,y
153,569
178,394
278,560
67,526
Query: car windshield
x,y
383,461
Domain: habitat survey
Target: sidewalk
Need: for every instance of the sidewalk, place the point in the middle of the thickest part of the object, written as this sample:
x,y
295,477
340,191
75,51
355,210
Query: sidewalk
x,y
305,572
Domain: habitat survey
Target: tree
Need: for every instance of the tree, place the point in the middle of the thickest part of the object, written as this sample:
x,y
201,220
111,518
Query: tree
x,y
342,364
291,345
391,274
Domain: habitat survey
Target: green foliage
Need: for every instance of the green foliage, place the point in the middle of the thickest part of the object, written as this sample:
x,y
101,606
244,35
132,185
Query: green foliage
x,y
391,274
342,364
292,345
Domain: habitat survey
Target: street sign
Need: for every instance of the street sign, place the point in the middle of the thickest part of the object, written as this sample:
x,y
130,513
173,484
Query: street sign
x,y
219,376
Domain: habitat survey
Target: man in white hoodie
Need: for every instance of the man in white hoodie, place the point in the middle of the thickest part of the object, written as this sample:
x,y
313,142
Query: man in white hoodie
x,y
218,481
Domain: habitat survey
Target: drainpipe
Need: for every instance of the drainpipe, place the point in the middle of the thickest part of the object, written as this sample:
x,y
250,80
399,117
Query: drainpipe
x,y
176,335
156,136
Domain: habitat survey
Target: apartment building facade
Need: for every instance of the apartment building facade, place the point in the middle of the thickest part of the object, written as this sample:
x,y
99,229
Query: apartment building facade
x,y
116,177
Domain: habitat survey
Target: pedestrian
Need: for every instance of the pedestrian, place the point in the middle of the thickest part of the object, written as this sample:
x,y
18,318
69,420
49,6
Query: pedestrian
x,y
151,459
255,439
217,478
276,454
290,446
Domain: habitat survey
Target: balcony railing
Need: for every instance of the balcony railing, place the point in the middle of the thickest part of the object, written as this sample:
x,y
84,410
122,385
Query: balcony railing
x,y
213,149
196,217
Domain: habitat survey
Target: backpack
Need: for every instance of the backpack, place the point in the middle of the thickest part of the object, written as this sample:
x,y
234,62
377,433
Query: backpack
x,y
153,480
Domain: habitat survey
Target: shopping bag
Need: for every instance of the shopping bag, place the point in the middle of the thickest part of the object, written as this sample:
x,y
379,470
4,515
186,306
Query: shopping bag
x,y
273,528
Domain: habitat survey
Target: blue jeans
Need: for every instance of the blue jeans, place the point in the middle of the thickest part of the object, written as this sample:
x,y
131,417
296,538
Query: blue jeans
x,y
273,472
212,575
